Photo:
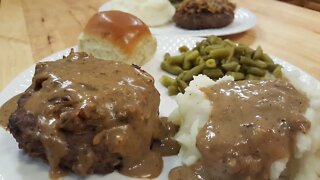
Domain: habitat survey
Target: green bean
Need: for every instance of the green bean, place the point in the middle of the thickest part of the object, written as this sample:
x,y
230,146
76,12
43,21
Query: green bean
x,y
238,68
258,53
256,71
173,69
248,50
211,63
240,49
201,50
220,53
192,55
260,64
235,59
236,75
250,62
199,60
214,39
173,90
213,73
210,48
215,57
244,68
266,58
272,67
176,59
229,43
167,81
181,75
232,66
252,77
231,53
183,48
181,85
277,72
193,72
167,57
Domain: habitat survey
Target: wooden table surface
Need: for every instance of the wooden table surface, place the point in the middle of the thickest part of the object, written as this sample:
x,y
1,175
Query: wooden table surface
x,y
33,29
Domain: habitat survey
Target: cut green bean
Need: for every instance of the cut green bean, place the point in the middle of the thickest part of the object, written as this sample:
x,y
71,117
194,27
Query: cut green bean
x,y
176,70
256,71
232,66
277,72
220,53
240,50
252,77
173,90
266,58
215,58
231,53
258,53
213,73
186,65
193,72
236,75
211,63
272,67
181,85
249,62
192,55
167,81
177,60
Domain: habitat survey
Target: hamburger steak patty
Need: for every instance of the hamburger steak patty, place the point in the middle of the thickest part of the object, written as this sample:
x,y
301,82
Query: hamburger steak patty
x,y
90,116
204,14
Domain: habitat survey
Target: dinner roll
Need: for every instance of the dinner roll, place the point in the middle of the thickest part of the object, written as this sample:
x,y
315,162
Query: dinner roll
x,y
116,35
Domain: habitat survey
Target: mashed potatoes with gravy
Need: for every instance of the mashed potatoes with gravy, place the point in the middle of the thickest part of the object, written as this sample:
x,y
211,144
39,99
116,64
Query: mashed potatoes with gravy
x,y
194,111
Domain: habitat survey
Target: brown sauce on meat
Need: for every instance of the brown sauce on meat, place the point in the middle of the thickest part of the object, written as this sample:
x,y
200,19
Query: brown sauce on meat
x,y
252,125
7,109
165,144
123,29
115,104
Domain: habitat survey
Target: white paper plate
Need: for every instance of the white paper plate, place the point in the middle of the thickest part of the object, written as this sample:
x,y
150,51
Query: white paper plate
x,y
244,20
16,165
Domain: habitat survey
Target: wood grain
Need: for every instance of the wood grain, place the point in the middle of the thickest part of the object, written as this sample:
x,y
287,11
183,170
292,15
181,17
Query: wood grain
x,y
33,29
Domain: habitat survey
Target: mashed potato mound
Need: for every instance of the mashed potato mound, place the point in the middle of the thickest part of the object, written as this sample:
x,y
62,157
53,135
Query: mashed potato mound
x,y
194,111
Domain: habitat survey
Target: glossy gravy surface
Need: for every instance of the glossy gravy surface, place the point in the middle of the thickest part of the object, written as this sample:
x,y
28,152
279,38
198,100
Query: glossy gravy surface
x,y
123,29
252,125
115,103
6,109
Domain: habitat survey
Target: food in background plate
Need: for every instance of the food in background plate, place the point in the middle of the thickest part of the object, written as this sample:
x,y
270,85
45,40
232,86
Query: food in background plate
x,y
152,12
93,116
215,58
204,14
250,129
119,36
176,3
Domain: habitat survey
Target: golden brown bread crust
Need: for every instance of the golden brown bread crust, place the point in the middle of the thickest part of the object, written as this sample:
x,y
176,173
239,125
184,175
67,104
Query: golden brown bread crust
x,y
204,14
122,29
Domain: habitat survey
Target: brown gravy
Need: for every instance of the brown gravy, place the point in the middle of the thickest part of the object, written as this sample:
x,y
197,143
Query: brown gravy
x,y
7,109
252,125
123,29
115,105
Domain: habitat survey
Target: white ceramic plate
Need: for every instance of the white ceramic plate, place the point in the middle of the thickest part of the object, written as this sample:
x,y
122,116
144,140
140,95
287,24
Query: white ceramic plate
x,y
14,164
244,20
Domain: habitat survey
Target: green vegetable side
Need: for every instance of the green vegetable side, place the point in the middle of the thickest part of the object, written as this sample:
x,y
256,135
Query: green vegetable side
x,y
215,58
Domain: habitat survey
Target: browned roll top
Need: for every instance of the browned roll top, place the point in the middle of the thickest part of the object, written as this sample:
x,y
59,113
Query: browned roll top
x,y
123,29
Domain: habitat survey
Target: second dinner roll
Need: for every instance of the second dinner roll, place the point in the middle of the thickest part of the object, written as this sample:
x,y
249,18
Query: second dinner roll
x,y
116,35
